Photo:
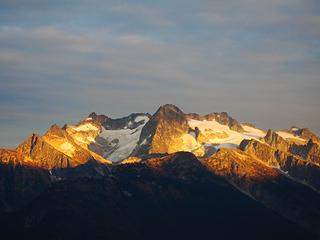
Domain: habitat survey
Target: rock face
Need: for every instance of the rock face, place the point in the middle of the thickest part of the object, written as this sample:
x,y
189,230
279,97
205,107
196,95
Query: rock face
x,y
38,153
260,150
163,132
275,141
56,149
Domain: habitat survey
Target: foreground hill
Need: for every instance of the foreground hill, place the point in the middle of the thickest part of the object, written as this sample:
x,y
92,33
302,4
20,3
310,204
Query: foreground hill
x,y
170,197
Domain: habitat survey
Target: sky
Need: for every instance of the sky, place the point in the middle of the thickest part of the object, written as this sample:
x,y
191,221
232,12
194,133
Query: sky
x,y
61,60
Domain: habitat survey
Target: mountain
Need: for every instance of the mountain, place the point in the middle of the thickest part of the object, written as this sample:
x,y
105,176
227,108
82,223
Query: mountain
x,y
170,174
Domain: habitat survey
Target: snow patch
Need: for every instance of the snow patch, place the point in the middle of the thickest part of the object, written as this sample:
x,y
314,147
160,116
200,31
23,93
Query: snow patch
x,y
66,146
90,139
287,135
144,141
140,118
253,132
227,145
193,134
189,143
85,127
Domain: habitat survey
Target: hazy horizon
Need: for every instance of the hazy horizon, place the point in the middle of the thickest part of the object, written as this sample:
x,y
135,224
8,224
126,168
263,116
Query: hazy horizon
x,y
258,61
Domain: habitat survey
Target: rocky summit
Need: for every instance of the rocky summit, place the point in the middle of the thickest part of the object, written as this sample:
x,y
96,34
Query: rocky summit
x,y
166,175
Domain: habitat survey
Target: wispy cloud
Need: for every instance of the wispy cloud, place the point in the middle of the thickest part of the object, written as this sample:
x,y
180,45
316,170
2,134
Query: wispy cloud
x,y
61,61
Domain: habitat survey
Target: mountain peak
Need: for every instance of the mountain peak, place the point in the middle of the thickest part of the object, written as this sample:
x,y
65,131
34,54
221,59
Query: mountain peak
x,y
55,130
93,115
276,141
170,111
97,118
169,106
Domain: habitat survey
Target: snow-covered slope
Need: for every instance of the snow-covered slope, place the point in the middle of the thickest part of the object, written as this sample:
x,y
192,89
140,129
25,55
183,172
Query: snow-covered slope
x,y
289,136
123,141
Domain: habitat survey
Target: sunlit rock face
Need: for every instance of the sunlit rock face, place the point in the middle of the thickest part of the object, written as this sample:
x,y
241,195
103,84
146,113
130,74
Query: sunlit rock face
x,y
235,163
55,149
166,132
36,151
276,141
277,152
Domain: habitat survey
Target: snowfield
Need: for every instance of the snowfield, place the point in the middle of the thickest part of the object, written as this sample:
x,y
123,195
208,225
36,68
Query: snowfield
x,y
287,135
140,118
85,127
233,137
127,140
219,135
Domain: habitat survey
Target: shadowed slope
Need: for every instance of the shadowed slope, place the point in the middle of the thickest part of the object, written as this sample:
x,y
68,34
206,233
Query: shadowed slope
x,y
173,197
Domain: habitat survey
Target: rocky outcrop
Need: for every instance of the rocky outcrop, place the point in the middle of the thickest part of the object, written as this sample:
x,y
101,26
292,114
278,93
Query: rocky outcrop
x,y
298,168
304,133
222,118
39,153
275,141
309,151
262,151
11,157
236,165
99,119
